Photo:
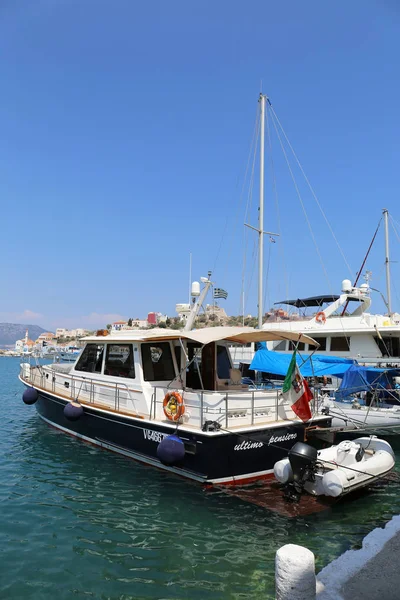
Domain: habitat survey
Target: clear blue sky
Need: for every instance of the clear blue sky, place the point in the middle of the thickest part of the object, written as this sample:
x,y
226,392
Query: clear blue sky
x,y
125,134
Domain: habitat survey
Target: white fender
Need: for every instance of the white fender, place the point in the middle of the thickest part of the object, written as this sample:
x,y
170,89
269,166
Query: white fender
x,y
283,471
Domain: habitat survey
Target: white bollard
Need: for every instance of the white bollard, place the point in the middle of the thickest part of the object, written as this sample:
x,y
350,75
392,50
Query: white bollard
x,y
294,573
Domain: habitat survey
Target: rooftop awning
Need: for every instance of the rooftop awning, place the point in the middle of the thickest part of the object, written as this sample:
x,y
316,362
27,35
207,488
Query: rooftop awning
x,y
312,301
239,335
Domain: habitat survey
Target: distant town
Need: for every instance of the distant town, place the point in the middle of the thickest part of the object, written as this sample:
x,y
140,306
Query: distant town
x,y
49,343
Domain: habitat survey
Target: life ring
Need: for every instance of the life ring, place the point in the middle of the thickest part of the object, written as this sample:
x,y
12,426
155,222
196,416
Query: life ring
x,y
173,406
320,317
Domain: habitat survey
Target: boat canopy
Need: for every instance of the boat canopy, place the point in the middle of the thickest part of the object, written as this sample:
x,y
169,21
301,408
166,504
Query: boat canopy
x,y
239,335
363,379
316,365
313,301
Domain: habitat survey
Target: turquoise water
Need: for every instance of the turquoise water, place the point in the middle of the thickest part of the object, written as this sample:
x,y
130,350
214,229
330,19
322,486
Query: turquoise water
x,y
78,522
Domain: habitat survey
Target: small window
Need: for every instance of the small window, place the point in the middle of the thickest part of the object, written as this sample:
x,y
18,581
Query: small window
x,y
119,361
157,362
223,363
300,346
281,347
321,341
177,350
91,359
340,344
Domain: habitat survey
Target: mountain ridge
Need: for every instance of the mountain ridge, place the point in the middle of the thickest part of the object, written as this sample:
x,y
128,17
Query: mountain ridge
x,y
11,332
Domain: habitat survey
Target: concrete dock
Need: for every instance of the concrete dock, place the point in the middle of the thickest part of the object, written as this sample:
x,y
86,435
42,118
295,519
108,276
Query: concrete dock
x,y
371,573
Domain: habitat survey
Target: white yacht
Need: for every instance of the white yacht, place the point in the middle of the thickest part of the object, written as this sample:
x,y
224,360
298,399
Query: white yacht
x,y
171,399
371,339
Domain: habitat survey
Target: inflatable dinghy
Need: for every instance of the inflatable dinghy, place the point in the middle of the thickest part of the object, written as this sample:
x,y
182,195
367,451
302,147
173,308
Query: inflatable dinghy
x,y
337,470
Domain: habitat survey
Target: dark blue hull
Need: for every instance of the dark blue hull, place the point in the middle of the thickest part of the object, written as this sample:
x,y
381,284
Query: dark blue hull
x,y
210,457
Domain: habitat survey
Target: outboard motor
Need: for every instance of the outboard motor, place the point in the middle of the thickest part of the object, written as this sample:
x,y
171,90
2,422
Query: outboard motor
x,y
303,459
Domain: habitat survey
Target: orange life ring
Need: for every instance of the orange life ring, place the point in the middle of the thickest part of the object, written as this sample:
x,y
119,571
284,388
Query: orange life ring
x,y
320,317
173,406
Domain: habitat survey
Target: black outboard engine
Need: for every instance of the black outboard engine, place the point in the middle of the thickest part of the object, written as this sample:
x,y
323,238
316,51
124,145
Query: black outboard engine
x,y
303,459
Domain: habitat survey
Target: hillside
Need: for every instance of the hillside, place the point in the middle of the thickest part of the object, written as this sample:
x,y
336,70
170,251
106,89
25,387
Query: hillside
x,y
11,332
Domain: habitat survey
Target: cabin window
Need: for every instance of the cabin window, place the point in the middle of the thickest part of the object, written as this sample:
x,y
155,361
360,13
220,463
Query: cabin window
x,y
389,346
301,346
157,362
194,366
340,344
177,350
281,347
223,363
91,359
321,341
119,361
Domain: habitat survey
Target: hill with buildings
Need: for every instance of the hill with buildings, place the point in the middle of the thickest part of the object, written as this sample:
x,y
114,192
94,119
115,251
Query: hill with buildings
x,y
11,332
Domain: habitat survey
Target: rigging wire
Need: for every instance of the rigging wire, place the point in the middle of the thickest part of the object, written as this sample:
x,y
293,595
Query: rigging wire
x,y
398,238
363,263
236,220
275,195
312,190
266,277
302,204
247,212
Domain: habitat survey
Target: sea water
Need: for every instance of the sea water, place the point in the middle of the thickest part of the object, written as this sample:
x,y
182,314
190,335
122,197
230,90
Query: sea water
x,y
80,522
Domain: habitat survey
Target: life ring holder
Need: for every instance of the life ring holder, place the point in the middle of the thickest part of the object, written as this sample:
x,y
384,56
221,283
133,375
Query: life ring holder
x,y
320,317
173,406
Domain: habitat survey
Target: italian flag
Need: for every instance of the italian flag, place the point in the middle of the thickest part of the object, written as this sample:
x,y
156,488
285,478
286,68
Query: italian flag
x,y
296,391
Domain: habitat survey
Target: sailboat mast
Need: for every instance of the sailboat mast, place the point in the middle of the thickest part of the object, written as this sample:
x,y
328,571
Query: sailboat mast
x,y
387,262
261,214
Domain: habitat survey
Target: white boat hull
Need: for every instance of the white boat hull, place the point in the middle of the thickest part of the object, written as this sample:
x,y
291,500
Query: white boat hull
x,y
349,417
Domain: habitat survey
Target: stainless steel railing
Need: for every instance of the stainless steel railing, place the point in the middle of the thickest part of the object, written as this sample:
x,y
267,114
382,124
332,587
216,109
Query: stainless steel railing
x,y
247,407
77,387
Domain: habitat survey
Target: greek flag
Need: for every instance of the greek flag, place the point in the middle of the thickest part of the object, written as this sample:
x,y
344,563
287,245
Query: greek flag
x,y
220,293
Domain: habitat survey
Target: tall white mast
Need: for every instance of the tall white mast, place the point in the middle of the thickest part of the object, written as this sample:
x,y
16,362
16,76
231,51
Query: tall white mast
x,y
387,262
261,214
260,229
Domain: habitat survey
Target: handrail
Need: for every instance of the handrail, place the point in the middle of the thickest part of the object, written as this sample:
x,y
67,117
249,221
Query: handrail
x,y
223,405
224,410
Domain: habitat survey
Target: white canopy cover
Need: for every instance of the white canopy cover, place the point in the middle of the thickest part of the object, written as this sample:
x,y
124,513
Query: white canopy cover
x,y
239,335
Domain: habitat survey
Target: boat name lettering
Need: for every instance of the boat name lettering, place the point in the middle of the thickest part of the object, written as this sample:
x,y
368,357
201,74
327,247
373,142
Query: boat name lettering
x,y
282,438
248,445
154,436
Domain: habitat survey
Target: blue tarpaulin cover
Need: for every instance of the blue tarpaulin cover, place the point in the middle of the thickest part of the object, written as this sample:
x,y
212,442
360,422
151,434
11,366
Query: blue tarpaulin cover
x,y
361,379
278,364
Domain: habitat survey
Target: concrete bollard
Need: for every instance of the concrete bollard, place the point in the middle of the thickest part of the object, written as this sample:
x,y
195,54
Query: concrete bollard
x,y
295,573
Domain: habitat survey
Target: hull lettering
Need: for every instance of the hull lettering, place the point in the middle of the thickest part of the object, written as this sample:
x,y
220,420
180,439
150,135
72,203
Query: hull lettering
x,y
248,445
276,439
154,436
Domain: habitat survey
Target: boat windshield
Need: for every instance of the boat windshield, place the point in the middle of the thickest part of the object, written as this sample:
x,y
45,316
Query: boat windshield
x,y
157,362
91,359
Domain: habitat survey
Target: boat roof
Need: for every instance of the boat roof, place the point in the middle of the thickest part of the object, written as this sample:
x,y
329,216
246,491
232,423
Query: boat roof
x,y
311,301
240,335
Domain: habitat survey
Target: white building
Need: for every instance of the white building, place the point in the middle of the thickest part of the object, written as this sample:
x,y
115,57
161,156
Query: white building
x,y
70,333
118,325
139,323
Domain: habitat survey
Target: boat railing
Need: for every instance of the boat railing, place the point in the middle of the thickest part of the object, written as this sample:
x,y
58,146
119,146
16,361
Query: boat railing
x,y
115,395
227,408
